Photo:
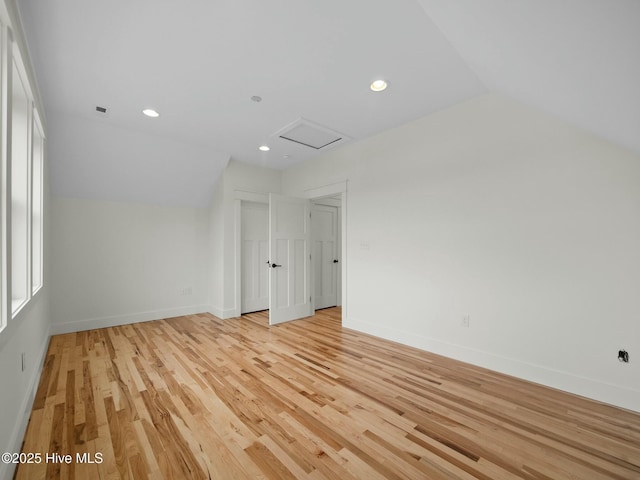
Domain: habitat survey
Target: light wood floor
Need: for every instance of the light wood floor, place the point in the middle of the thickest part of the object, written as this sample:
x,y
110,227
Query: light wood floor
x,y
198,397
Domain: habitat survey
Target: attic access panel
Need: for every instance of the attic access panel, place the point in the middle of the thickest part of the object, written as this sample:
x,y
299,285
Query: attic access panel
x,y
310,134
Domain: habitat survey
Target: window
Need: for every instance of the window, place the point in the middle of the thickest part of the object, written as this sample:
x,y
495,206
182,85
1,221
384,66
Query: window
x,y
3,189
37,186
22,152
20,218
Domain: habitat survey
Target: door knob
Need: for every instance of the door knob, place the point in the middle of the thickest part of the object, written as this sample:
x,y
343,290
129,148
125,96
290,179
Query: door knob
x,y
273,265
335,261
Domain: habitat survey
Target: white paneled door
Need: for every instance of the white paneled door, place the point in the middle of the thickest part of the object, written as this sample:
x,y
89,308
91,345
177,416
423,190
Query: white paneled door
x,y
325,255
255,256
290,258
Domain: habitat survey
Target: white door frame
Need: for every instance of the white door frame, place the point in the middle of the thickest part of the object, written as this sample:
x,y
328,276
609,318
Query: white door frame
x,y
239,197
334,189
330,202
257,268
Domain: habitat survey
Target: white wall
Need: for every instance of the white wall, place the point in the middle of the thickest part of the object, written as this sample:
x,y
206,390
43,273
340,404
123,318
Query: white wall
x,y
28,333
117,263
216,247
494,210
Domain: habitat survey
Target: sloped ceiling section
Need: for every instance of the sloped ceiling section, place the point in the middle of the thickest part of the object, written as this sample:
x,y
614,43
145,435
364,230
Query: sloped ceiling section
x,y
94,158
199,63
577,59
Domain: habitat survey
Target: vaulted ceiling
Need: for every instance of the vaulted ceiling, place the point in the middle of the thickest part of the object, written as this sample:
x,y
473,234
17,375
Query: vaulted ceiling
x,y
199,63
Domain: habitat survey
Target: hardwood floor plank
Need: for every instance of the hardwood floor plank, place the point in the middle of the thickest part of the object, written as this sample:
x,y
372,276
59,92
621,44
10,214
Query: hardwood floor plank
x,y
56,441
41,393
199,397
268,463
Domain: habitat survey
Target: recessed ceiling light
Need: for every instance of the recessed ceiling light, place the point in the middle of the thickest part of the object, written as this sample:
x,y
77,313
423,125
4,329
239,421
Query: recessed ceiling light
x,y
150,112
378,85
264,148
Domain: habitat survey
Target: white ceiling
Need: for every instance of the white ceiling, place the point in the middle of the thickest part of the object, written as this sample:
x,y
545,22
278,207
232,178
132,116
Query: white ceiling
x,y
577,59
199,62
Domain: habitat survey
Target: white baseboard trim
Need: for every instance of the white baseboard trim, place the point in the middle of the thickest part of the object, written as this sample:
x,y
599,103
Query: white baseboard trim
x,y
104,322
223,314
229,313
20,428
600,391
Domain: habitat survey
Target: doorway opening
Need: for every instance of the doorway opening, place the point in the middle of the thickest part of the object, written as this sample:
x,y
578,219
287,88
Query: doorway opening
x,y
326,252
253,266
254,255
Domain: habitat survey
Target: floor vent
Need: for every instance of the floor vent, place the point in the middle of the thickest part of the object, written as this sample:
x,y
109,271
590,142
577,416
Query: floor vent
x,y
310,134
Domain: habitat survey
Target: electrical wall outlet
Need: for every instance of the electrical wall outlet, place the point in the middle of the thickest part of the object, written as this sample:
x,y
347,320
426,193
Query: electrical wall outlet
x,y
465,321
187,291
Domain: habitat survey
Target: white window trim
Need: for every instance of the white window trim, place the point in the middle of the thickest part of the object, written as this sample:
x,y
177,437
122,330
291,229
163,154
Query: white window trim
x,y
11,50
37,127
5,214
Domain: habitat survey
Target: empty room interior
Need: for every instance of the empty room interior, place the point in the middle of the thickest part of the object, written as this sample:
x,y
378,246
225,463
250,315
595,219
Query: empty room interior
x,y
303,239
